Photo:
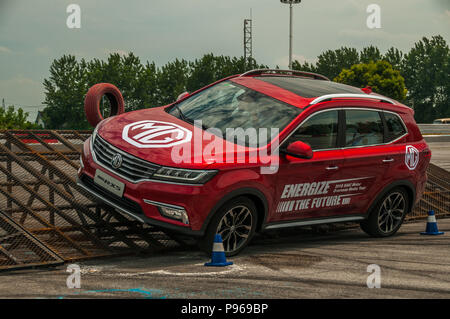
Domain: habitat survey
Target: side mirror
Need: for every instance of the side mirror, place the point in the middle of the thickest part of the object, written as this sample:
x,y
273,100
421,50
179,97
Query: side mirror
x,y
299,149
182,95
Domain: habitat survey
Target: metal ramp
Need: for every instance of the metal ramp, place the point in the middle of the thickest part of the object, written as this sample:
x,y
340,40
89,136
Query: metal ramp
x,y
47,219
42,205
437,194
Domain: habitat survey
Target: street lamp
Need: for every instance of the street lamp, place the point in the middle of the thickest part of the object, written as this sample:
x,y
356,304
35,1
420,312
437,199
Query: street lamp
x,y
290,2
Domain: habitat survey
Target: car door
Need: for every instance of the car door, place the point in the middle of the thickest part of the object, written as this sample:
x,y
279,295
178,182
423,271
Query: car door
x,y
367,161
305,186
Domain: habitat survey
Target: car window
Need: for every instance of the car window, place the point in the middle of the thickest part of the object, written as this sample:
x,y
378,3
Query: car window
x,y
319,131
231,106
363,127
395,127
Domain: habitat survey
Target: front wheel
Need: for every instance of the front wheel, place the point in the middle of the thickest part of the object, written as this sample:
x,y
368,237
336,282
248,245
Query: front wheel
x,y
388,214
235,222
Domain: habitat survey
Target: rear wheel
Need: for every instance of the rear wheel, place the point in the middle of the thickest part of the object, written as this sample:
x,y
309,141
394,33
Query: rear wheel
x,y
388,214
235,222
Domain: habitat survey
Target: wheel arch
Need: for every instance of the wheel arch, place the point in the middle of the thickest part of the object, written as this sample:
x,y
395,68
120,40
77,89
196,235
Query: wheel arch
x,y
406,184
255,195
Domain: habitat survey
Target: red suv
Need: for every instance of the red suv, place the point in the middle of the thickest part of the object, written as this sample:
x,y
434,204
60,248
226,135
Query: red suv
x,y
262,150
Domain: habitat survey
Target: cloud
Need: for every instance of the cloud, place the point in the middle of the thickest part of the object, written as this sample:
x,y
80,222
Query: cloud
x,y
5,50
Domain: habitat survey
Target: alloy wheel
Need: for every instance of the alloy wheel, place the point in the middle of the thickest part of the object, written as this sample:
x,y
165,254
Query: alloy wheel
x,y
391,212
235,228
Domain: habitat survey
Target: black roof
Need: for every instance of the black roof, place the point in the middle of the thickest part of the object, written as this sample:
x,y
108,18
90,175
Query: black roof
x,y
307,87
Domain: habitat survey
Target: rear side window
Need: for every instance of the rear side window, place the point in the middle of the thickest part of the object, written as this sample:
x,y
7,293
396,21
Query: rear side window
x,y
363,128
320,131
394,125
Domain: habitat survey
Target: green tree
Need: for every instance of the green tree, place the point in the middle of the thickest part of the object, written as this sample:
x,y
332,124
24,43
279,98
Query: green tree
x,y
379,75
330,63
64,94
370,53
426,68
395,57
172,81
212,68
10,119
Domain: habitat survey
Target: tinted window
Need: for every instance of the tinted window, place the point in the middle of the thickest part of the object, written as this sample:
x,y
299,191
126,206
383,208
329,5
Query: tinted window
x,y
320,131
229,105
363,128
394,126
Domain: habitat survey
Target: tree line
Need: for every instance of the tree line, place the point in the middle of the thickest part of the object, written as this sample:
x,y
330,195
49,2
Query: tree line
x,y
425,70
419,78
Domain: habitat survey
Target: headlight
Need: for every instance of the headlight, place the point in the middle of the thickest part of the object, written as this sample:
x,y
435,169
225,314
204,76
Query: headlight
x,y
184,175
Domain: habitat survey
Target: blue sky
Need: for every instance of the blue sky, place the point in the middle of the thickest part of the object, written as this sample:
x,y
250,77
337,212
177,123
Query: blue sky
x,y
33,32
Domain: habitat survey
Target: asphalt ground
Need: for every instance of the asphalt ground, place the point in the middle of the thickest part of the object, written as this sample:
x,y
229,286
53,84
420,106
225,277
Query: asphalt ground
x,y
297,264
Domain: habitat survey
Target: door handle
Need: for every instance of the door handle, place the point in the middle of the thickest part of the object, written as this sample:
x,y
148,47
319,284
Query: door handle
x,y
388,160
330,168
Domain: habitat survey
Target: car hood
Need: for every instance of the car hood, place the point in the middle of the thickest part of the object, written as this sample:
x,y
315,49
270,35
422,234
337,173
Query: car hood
x,y
161,138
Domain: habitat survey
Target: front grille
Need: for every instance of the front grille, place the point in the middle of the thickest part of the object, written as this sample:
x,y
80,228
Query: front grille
x,y
132,168
123,202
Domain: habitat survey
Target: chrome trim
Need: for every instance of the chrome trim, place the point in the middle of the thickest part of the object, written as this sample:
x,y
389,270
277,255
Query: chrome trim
x,y
155,203
115,206
131,165
315,222
81,161
350,95
131,181
348,108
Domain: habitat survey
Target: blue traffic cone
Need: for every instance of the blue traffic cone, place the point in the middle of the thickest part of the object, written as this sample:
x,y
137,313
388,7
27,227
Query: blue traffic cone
x,y
432,228
218,258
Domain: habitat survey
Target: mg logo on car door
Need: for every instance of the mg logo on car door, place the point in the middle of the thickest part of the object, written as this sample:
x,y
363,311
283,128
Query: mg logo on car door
x,y
155,134
411,157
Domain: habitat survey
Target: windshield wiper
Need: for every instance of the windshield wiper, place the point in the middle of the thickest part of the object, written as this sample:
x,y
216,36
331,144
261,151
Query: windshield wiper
x,y
183,117
187,119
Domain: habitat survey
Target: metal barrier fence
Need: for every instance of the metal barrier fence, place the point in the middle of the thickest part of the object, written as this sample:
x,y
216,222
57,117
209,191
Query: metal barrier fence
x,y
47,219
437,194
434,128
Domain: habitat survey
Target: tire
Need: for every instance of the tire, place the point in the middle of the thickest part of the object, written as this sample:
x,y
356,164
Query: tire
x,y
387,215
93,98
245,214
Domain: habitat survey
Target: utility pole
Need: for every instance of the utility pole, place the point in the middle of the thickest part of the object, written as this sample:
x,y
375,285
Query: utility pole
x,y
248,49
291,3
3,105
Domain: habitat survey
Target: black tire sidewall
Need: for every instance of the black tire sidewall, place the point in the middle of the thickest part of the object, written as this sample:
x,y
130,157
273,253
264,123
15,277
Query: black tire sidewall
x,y
371,226
206,242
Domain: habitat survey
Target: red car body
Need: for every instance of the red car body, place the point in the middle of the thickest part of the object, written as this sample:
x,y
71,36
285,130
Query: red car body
x,y
362,173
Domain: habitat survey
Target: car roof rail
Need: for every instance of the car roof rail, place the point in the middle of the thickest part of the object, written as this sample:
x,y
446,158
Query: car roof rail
x,y
283,72
351,96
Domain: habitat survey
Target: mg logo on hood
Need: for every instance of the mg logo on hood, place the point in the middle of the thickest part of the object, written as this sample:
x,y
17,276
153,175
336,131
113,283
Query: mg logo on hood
x,y
411,157
155,134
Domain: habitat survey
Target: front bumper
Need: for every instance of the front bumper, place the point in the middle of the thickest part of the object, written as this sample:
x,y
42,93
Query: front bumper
x,y
196,200
129,207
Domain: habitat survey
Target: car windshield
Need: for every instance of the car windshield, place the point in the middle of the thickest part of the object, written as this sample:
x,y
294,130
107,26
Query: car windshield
x,y
231,106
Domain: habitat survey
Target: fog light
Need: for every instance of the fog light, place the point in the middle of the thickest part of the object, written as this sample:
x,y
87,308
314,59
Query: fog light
x,y
178,214
171,211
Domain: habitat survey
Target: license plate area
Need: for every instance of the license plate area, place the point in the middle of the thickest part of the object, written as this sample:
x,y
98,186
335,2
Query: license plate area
x,y
109,183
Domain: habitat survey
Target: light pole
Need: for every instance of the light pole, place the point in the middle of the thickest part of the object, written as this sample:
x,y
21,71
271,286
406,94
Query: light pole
x,y
291,3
